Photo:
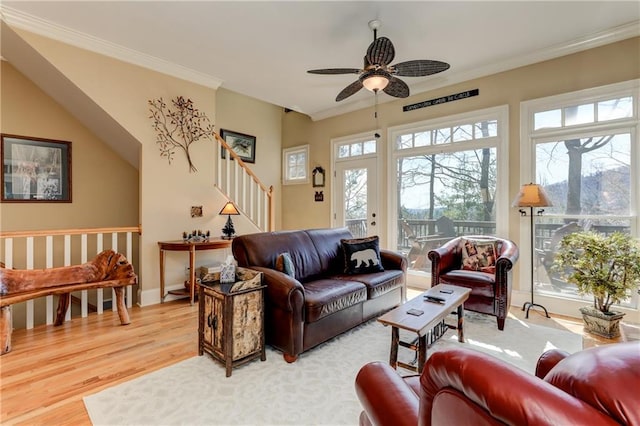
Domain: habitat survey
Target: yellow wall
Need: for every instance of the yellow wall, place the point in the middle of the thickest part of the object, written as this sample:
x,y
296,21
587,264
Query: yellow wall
x,y
105,187
263,120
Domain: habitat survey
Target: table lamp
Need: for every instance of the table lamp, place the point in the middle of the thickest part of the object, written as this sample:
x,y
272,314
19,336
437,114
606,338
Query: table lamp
x,y
532,195
229,209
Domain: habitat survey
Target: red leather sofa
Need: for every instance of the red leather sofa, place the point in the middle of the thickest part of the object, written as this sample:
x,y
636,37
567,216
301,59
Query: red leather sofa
x,y
461,386
321,300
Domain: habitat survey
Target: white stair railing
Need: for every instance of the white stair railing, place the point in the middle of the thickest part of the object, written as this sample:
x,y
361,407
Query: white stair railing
x,y
66,247
241,185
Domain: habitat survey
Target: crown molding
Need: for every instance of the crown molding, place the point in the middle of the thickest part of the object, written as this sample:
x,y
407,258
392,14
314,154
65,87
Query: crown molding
x,y
27,22
601,38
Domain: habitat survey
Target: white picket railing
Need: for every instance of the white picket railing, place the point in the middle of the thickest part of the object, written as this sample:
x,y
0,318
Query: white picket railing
x,y
66,247
241,185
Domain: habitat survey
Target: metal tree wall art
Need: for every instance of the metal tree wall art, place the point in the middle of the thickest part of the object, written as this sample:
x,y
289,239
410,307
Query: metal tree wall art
x,y
178,128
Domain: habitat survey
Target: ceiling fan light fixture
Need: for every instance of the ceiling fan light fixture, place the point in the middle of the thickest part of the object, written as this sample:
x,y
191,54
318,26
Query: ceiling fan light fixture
x,y
375,83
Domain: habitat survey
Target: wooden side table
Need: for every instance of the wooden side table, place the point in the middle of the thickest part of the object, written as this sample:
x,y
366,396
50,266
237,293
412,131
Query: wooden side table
x,y
191,247
231,324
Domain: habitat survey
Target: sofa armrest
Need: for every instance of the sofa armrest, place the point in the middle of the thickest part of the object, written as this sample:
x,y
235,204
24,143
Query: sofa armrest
x,y
393,260
548,360
385,397
488,384
281,289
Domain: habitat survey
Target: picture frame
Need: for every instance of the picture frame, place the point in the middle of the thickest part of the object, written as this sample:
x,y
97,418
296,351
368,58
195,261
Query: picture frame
x,y
243,145
35,170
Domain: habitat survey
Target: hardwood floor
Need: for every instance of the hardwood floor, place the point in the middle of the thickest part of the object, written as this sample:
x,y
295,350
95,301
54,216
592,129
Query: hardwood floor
x,y
50,369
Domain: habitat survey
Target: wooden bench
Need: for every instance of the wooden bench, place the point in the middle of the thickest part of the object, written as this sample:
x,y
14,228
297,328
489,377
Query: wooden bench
x,y
108,270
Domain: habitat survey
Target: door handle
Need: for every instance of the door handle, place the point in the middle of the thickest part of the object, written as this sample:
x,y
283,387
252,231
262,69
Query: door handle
x,y
373,223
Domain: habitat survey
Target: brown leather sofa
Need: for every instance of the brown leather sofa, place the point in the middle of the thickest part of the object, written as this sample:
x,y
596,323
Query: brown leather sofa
x,y
461,386
321,301
490,292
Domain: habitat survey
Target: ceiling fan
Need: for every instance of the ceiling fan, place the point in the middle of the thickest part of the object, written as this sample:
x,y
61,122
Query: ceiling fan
x,y
378,74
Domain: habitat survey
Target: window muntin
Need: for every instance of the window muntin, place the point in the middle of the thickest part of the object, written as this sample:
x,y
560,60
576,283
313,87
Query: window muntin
x,y
356,149
583,150
295,163
445,176
462,132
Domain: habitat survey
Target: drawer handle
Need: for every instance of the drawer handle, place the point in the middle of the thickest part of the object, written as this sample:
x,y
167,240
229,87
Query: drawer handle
x,y
212,321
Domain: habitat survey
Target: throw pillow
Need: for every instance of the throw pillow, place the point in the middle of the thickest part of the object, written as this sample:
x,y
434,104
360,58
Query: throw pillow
x,y
361,255
478,255
284,264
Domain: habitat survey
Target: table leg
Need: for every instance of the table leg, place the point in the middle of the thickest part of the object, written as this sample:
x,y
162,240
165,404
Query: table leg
x,y
395,342
192,272
162,295
461,323
422,352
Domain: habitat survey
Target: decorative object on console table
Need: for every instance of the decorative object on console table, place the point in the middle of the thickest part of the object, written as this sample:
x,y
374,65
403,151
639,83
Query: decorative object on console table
x,y
229,209
243,145
191,247
35,170
532,195
231,320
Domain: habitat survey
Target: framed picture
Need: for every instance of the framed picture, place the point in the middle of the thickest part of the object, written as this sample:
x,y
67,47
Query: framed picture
x,y
243,145
318,177
35,170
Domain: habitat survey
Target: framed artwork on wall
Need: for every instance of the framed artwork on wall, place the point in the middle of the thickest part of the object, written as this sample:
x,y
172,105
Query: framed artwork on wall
x,y
243,145
35,170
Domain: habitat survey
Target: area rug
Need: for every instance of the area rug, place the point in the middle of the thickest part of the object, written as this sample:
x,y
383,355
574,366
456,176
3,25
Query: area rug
x,y
318,389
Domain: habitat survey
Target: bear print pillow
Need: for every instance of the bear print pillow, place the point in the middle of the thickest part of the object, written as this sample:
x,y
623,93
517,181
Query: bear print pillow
x,y
361,255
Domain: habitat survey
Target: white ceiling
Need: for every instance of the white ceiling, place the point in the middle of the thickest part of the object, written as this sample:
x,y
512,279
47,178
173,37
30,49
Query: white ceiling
x,y
263,49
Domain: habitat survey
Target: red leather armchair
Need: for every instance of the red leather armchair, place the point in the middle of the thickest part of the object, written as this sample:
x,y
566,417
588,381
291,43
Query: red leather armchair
x,y
459,386
490,292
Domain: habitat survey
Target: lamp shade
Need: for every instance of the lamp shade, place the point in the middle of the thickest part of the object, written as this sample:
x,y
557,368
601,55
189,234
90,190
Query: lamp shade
x,y
229,208
375,82
531,195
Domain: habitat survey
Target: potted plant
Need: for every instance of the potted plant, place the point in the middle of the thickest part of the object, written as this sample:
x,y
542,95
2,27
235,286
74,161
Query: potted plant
x,y
605,266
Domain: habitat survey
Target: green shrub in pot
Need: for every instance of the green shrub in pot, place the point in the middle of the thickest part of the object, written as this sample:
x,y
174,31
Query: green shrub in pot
x,y
604,266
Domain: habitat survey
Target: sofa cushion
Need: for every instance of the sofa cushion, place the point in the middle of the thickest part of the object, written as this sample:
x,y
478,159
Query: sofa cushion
x,y
480,283
326,296
327,244
378,283
361,255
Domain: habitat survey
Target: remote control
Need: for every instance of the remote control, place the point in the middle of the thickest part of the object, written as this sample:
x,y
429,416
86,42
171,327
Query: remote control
x,y
435,299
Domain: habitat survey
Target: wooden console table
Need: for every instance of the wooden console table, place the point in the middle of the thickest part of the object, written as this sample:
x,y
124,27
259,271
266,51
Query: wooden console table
x,y
191,247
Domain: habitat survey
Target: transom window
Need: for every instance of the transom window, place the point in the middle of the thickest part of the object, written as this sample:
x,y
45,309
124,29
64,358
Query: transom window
x,y
356,149
449,134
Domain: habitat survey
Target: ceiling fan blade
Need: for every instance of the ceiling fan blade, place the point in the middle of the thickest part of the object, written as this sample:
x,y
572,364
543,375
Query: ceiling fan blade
x,y
349,90
420,68
396,88
335,71
381,52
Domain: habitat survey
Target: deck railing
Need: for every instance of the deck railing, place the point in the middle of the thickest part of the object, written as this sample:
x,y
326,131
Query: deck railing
x,y
65,247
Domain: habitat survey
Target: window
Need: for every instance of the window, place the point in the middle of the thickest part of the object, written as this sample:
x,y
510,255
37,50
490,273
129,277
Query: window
x,y
445,181
295,165
349,150
582,148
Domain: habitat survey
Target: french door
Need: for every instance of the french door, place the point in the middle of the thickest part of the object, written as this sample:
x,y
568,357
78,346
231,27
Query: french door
x,y
356,196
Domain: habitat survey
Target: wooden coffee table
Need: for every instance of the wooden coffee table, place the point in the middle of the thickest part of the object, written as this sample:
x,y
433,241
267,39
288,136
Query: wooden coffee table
x,y
429,326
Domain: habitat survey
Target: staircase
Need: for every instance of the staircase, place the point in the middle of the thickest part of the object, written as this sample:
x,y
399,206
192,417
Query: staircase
x,y
235,180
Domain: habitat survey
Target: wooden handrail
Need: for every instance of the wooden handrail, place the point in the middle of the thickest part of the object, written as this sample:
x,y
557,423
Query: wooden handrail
x,y
72,231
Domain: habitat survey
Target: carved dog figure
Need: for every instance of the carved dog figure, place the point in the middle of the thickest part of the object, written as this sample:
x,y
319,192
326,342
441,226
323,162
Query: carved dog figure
x,y
106,266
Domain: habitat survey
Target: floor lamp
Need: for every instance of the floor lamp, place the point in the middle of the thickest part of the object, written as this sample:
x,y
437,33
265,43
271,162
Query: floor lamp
x,y
532,195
